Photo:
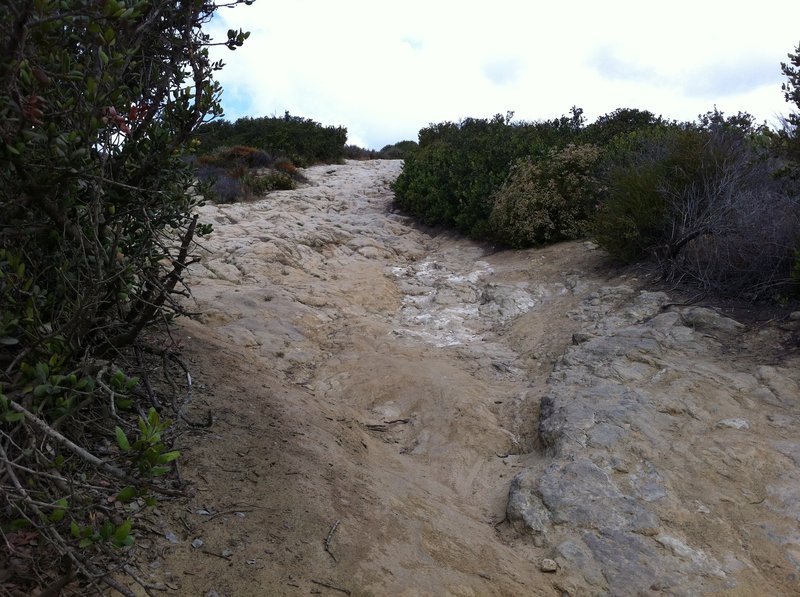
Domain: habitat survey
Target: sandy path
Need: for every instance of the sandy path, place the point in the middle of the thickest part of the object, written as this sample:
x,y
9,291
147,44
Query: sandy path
x,y
369,378
364,372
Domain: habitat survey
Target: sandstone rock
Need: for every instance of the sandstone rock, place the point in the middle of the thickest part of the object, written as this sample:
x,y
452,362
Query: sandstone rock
x,y
734,423
525,510
627,425
581,337
704,319
548,565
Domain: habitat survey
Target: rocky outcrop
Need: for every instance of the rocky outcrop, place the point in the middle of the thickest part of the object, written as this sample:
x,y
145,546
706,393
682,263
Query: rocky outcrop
x,y
671,464
649,449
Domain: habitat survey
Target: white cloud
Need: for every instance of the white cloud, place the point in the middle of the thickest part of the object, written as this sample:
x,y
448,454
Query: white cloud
x,y
386,70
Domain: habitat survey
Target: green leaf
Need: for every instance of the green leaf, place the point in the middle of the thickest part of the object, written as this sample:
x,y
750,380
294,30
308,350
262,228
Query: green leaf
x,y
85,542
123,531
13,417
157,471
42,372
42,390
126,542
111,7
127,494
19,523
59,514
74,529
106,530
86,383
122,440
168,457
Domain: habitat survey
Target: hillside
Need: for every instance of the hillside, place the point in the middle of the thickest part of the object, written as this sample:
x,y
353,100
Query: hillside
x,y
406,413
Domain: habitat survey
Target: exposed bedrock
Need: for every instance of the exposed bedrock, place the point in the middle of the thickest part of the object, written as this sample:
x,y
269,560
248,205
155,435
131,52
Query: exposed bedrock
x,y
670,465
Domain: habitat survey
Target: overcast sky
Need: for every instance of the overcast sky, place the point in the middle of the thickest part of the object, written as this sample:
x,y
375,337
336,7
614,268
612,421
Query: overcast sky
x,y
386,69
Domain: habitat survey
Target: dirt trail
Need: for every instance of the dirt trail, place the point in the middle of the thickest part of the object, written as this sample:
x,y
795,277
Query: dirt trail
x,y
374,392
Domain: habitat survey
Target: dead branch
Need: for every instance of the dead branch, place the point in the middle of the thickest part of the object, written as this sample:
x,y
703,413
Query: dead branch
x,y
71,446
329,538
330,586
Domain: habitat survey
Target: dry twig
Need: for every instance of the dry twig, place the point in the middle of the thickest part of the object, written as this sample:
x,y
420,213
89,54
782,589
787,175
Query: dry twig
x,y
330,586
329,538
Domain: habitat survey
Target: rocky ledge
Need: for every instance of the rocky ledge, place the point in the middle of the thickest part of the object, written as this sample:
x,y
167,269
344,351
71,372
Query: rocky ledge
x,y
671,442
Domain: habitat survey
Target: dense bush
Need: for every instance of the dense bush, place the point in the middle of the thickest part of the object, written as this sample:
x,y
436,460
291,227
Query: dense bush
x,y
354,152
548,199
702,201
301,140
98,102
241,173
397,151
238,155
449,180
620,122
791,91
708,200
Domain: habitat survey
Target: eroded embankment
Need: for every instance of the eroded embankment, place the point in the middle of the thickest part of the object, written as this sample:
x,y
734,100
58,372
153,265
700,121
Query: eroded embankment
x,y
376,391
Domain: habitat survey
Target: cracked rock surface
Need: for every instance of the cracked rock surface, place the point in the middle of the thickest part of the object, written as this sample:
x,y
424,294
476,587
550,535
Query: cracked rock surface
x,y
665,465
399,411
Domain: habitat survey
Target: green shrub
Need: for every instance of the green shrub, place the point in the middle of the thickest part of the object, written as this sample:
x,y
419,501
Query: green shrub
x,y
354,152
238,155
301,140
397,151
643,168
98,105
548,199
269,181
702,201
635,216
450,178
620,122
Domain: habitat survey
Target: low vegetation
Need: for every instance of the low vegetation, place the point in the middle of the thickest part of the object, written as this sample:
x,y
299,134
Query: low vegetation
x,y
99,102
238,173
395,151
714,202
250,157
300,140
253,156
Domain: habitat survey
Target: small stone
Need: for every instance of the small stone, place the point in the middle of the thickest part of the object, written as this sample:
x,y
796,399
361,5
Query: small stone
x,y
702,508
171,537
734,423
795,316
704,319
580,337
197,543
548,565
